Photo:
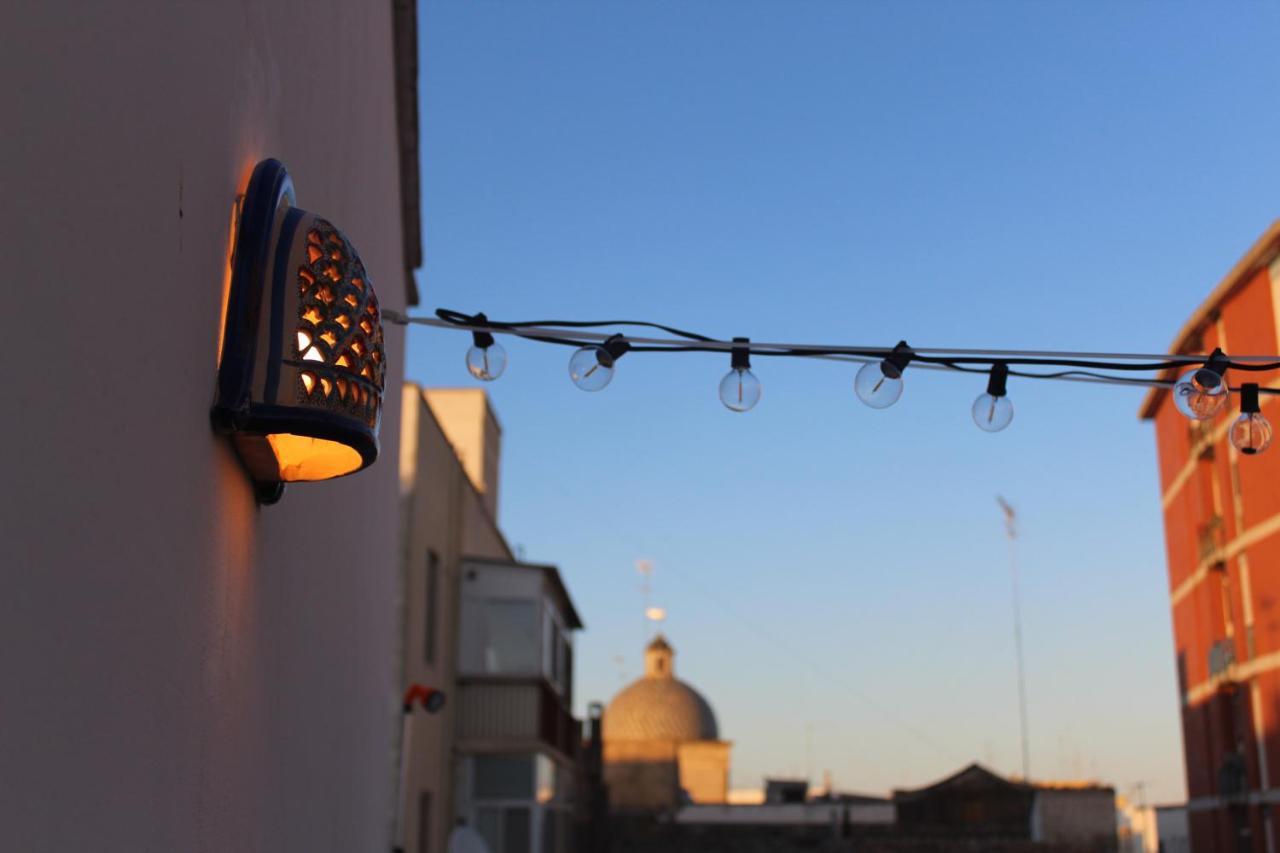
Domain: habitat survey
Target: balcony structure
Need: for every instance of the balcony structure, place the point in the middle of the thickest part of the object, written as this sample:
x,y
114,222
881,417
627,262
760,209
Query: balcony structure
x,y
519,770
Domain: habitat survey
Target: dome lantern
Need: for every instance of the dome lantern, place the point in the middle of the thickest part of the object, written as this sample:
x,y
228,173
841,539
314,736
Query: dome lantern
x,y
659,659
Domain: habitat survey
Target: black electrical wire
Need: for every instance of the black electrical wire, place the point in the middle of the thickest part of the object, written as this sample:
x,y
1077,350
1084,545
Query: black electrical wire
x,y
968,364
458,318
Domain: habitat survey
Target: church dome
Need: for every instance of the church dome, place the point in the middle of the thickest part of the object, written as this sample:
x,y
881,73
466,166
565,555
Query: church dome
x,y
659,706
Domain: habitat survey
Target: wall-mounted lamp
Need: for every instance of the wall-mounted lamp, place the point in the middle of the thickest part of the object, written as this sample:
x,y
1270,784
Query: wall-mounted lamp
x,y
429,699
301,377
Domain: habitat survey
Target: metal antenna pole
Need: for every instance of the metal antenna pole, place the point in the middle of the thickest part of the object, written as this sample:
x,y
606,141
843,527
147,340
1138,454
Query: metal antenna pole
x,y
645,568
1011,530
808,753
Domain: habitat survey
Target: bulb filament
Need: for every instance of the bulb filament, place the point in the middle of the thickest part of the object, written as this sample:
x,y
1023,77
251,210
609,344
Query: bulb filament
x,y
878,384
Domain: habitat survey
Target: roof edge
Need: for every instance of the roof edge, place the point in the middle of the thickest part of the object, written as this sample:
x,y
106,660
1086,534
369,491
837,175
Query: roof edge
x,y
1258,257
900,794
404,23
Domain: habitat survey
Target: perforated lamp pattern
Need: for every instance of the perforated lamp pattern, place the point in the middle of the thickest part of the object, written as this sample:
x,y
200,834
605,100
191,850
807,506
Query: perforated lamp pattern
x,y
302,373
338,346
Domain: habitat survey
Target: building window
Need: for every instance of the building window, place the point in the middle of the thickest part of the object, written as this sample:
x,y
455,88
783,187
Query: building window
x,y
432,593
489,825
556,659
506,826
548,646
506,829
521,802
568,672
503,777
552,662
546,773
424,822
511,636
555,833
517,835
549,835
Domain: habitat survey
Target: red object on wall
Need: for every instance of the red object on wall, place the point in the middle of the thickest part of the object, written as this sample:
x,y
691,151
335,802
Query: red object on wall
x,y
429,698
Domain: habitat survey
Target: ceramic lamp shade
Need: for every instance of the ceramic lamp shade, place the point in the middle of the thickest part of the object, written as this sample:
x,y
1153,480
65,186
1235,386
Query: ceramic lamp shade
x,y
300,381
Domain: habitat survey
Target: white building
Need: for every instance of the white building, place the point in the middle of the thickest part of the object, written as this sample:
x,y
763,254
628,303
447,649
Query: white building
x,y
519,778
449,450
1136,827
1173,829
494,634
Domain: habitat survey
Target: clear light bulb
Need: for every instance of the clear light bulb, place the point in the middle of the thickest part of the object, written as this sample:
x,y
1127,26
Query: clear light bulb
x,y
1251,433
992,413
740,389
1200,394
591,368
487,363
878,384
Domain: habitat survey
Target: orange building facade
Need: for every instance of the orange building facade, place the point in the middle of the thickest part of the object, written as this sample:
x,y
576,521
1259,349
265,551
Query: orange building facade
x,y
1222,534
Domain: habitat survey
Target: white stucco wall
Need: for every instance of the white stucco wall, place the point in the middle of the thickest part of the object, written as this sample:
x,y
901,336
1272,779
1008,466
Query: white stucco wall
x,y
182,670
1074,816
1173,828
443,513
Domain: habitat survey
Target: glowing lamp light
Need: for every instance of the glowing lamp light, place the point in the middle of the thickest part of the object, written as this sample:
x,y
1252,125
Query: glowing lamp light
x,y
301,376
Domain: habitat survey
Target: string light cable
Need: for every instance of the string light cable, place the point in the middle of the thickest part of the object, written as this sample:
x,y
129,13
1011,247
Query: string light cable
x,y
1200,393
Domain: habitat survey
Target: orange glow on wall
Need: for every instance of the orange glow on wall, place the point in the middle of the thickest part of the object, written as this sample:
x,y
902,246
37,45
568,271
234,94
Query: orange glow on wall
x,y
226,276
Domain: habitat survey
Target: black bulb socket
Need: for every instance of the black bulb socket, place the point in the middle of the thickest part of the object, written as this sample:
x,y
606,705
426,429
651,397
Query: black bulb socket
x,y
482,339
1210,376
613,348
1249,403
998,381
896,362
740,357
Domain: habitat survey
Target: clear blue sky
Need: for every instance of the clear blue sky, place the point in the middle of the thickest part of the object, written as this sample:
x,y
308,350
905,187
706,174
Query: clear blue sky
x,y
977,174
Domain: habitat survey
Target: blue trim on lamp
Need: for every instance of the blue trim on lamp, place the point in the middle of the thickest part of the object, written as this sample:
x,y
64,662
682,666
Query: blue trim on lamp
x,y
284,245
